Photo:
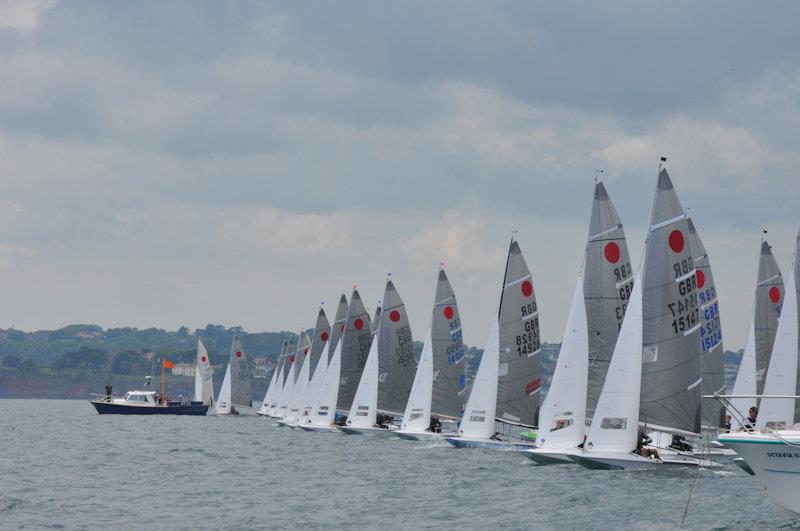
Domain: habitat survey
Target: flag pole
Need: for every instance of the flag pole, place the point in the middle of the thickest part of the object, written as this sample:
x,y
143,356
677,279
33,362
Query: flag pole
x,y
162,378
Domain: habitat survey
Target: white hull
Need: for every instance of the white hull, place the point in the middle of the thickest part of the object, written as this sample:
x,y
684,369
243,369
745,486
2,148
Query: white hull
x,y
421,435
775,459
490,444
378,432
311,427
631,461
552,456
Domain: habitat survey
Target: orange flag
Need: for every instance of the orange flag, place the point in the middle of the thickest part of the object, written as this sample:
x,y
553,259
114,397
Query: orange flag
x,y
168,364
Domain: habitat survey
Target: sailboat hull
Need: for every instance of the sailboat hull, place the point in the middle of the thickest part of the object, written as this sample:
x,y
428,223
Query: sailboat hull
x,y
311,427
422,435
378,432
489,444
631,461
551,456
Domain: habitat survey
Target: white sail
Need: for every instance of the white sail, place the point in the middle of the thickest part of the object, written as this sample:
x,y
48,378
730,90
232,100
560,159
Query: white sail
x,y
288,389
782,372
315,384
746,376
324,410
223,406
479,413
203,376
563,416
364,410
295,406
276,393
264,410
616,417
417,416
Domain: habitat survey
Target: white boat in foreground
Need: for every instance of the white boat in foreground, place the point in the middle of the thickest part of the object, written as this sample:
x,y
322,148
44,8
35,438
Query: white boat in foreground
x,y
774,456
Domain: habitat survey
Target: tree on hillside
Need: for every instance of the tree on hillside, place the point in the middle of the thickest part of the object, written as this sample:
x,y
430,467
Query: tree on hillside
x,y
129,362
28,367
16,335
83,358
11,361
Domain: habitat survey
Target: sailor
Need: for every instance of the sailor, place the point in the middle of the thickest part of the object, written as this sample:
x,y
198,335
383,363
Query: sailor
x,y
180,399
643,440
726,425
750,421
109,389
435,425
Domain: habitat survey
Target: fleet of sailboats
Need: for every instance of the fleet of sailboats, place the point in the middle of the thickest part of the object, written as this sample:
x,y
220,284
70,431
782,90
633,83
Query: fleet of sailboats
x,y
639,375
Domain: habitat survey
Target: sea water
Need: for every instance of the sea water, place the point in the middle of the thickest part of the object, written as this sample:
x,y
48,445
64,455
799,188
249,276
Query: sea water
x,y
64,466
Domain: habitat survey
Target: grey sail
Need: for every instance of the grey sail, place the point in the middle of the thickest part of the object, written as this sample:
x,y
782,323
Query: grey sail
x,y
769,298
302,352
376,320
607,286
356,341
396,363
711,364
288,359
448,352
338,325
671,355
279,361
322,333
520,371
241,394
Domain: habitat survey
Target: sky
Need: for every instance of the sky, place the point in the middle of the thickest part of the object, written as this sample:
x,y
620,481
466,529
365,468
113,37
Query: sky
x,y
180,163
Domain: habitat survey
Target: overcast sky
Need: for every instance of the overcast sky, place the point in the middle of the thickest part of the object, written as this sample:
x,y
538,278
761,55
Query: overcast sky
x,y
179,163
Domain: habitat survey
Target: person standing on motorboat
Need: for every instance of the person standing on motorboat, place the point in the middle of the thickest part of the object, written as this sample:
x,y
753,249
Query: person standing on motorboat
x,y
109,390
750,421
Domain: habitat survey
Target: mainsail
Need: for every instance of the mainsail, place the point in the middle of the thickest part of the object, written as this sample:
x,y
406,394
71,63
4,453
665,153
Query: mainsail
x,y
303,350
322,333
563,415
376,320
608,281
712,368
287,361
315,384
671,355
203,376
396,362
769,297
276,384
520,367
782,372
338,326
447,347
241,394
356,342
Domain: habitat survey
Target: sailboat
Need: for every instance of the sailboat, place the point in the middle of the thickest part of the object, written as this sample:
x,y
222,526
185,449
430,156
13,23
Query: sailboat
x,y
235,390
270,402
508,381
388,375
439,384
320,402
296,362
356,342
659,340
761,334
203,376
770,451
596,318
307,369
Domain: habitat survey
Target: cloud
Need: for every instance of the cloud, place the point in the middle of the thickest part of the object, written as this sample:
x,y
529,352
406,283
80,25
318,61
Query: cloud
x,y
23,15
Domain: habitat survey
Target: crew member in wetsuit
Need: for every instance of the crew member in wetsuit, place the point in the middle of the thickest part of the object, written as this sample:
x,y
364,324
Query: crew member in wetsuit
x,y
435,425
678,443
109,390
643,440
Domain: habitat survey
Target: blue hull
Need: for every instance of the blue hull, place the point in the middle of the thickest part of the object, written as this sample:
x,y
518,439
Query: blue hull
x,y
104,408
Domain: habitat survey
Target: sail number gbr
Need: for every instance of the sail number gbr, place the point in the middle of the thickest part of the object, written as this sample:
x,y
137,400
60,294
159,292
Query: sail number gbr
x,y
528,342
684,308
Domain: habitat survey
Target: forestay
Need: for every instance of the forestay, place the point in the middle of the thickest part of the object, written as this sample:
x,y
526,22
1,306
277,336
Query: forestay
x,y
671,355
447,352
712,368
356,341
608,281
563,415
520,370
